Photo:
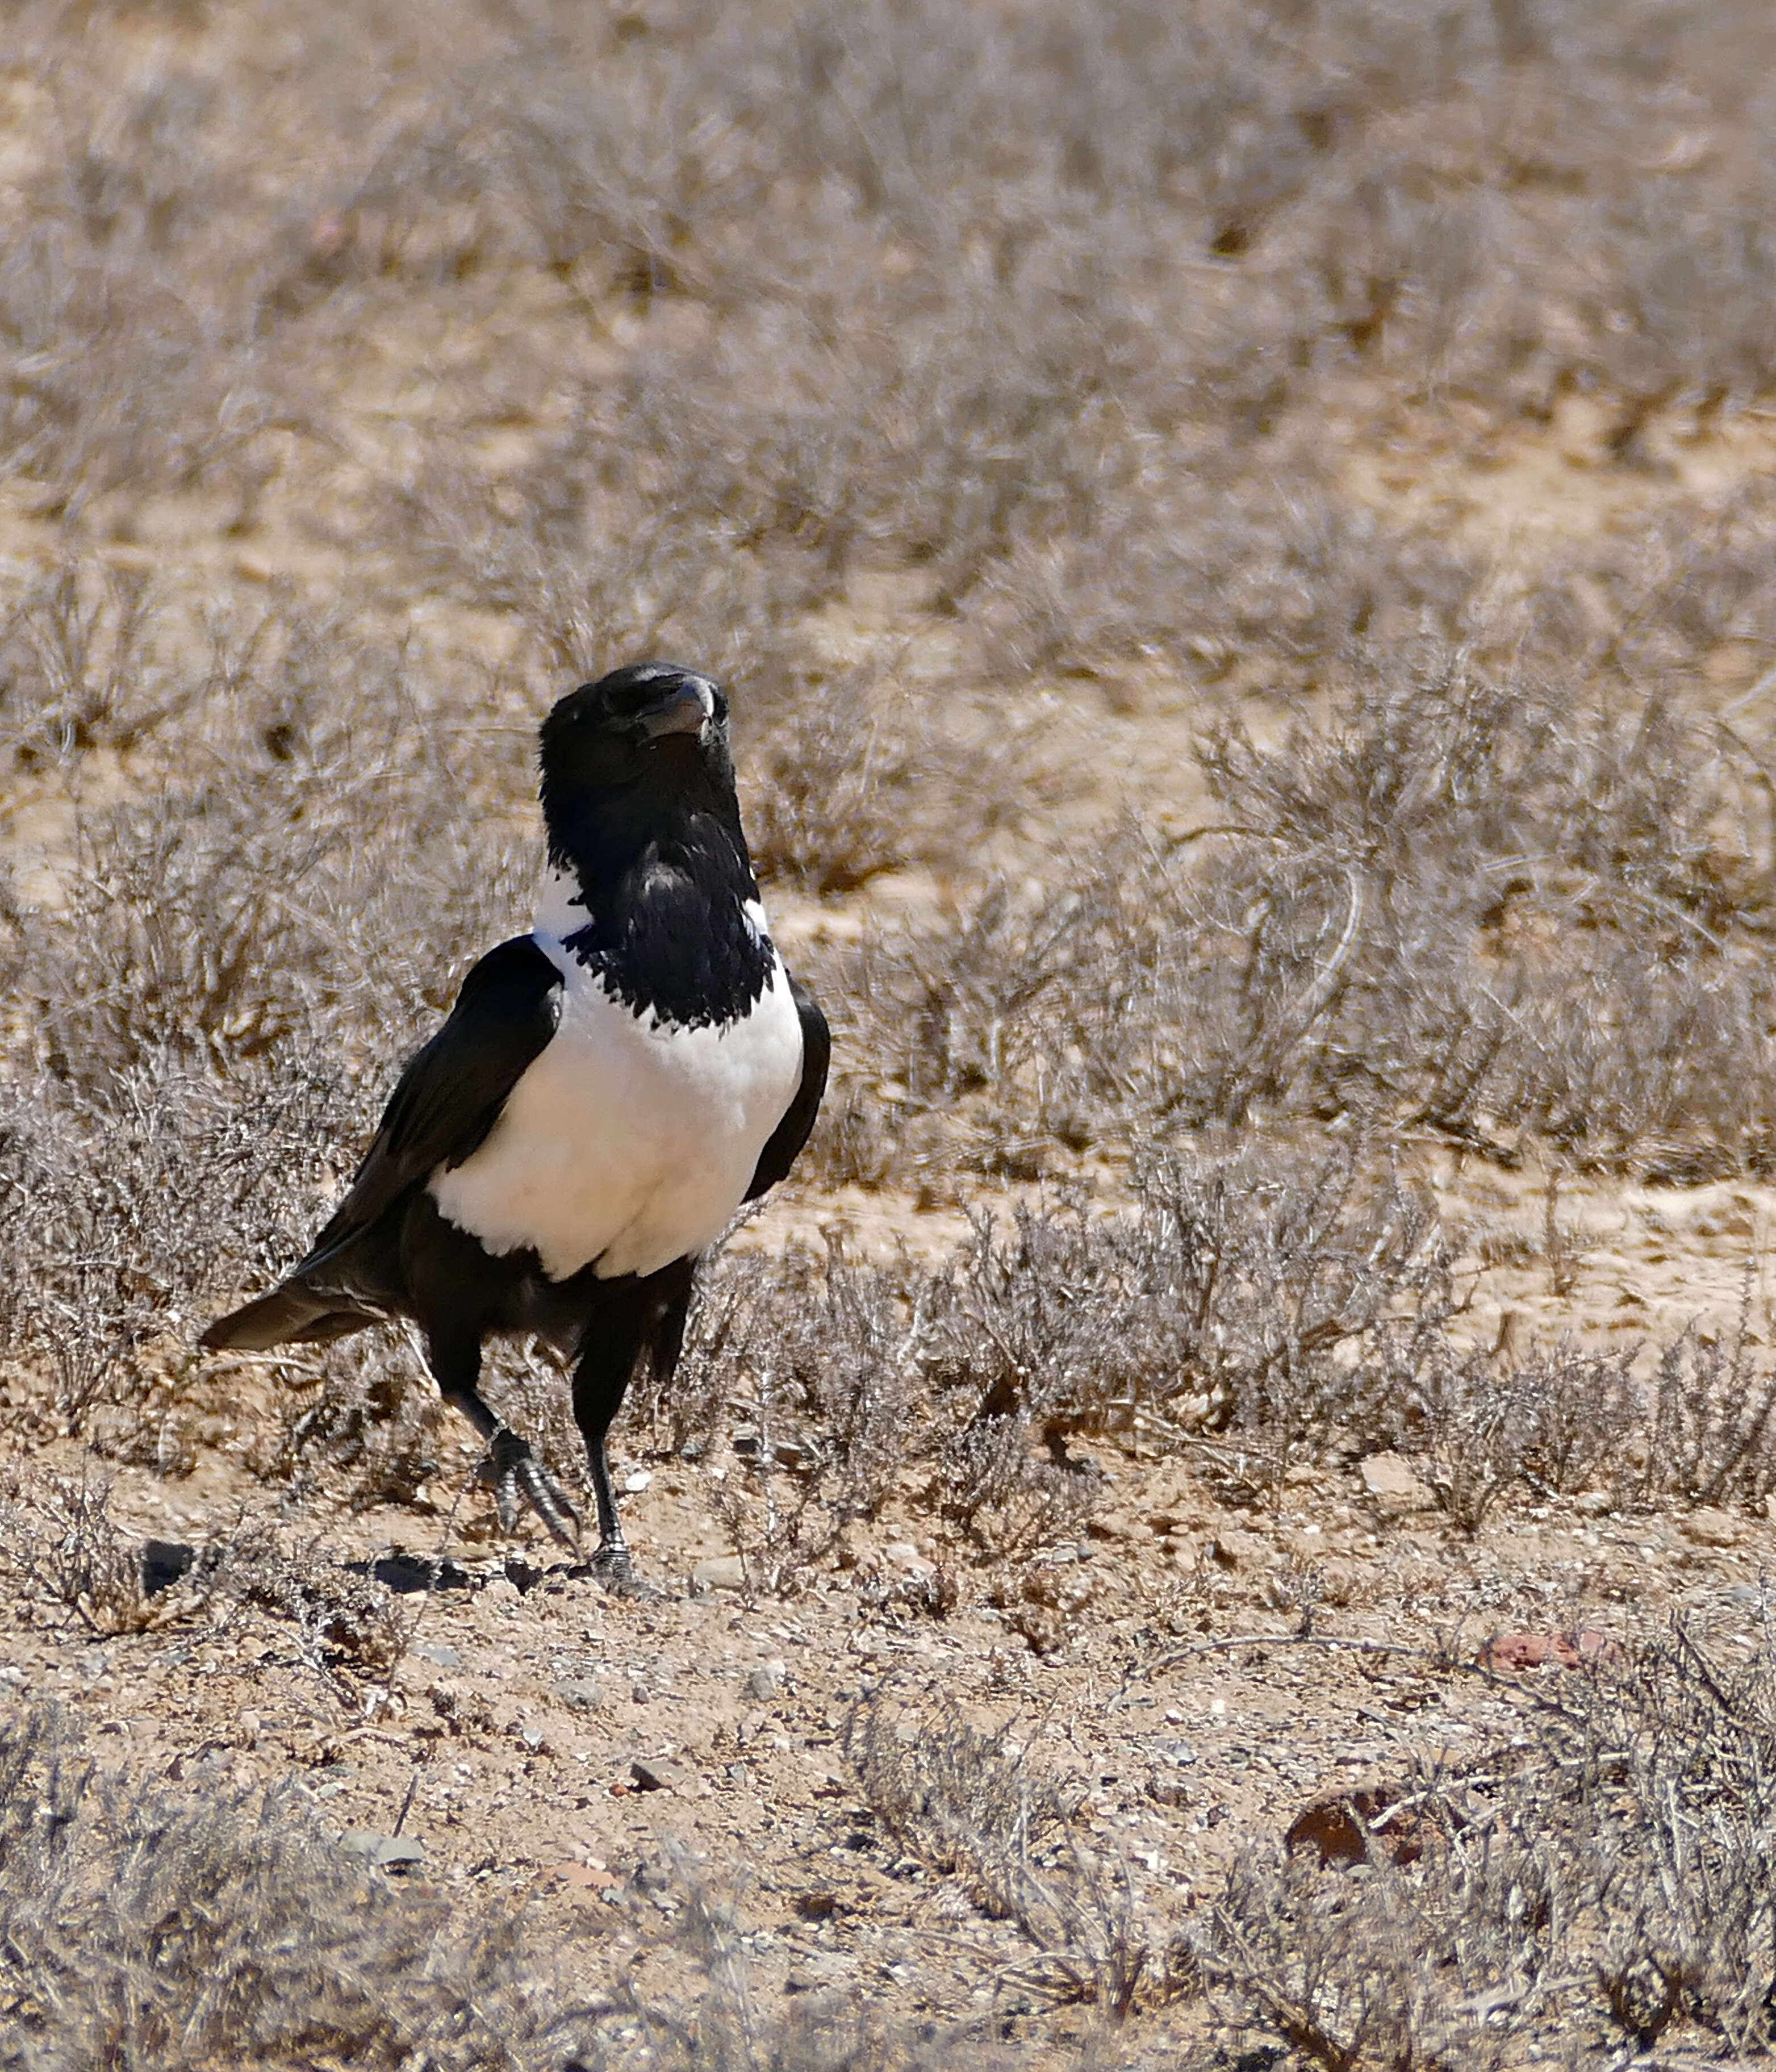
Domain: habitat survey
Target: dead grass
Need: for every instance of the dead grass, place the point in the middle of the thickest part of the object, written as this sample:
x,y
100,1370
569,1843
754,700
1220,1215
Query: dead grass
x,y
363,377
1601,1886
163,1926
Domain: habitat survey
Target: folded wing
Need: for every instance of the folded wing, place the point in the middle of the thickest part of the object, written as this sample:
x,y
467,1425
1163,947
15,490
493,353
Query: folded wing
x,y
792,1134
448,1099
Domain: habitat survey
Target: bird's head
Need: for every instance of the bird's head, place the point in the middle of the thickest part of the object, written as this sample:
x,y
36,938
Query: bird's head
x,y
649,740
649,721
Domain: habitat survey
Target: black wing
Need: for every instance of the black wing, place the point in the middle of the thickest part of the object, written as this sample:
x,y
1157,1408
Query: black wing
x,y
791,1134
452,1091
449,1098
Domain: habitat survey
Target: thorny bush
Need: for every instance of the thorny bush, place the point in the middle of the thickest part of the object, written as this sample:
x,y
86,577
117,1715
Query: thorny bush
x,y
1606,1877
935,374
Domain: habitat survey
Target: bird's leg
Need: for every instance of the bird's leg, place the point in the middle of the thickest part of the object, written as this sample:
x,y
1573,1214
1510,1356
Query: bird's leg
x,y
513,1470
613,1549
516,1473
600,1377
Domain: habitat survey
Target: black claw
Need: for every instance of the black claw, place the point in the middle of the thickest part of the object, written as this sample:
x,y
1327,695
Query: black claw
x,y
513,1470
612,1567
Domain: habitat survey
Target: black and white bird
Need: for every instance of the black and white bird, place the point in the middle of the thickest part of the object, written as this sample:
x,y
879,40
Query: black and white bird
x,y
607,1092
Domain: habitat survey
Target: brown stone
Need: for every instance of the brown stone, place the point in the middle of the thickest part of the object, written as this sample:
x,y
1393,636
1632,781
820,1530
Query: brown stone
x,y
1545,1650
1347,1827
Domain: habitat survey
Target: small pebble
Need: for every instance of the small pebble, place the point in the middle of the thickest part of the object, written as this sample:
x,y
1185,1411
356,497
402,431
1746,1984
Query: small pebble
x,y
656,1774
720,1571
383,1850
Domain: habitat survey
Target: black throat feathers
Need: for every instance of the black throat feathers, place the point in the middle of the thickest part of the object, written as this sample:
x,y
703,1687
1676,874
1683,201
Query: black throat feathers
x,y
665,881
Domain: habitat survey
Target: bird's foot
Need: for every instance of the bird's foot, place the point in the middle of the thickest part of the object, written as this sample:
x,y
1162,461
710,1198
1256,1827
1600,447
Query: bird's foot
x,y
518,1477
611,1566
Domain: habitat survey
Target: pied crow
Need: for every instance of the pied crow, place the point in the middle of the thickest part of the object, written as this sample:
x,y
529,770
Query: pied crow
x,y
607,1092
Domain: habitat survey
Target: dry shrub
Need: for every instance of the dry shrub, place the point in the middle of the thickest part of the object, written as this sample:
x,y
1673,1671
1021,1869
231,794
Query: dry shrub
x,y
852,777
715,2016
702,374
165,1924
546,336
757,293
68,1555
59,1540
78,661
1565,1420
1461,896
160,1926
129,1214
1517,884
1429,197
212,1001
1238,1298
809,1365
1605,1884
304,849
1454,905
1263,1312
957,1800
365,1411
1246,1297
1710,1439
349,1633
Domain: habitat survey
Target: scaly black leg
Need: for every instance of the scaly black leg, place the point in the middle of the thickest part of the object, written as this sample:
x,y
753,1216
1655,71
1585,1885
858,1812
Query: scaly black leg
x,y
613,1343
513,1470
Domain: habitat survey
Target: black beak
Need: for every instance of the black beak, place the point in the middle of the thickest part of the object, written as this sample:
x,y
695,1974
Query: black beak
x,y
687,708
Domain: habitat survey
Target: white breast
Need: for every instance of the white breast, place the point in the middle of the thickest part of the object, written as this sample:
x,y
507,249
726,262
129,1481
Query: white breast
x,y
628,1143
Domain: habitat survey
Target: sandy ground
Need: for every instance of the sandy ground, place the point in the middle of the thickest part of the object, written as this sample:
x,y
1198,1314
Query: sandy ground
x,y
1184,1671
480,1712
594,1759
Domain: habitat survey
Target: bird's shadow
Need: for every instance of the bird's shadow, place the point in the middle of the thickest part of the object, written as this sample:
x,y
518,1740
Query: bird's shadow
x,y
166,1562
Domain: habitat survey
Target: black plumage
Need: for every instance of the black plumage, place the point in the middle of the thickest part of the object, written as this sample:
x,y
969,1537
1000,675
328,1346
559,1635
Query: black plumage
x,y
605,1094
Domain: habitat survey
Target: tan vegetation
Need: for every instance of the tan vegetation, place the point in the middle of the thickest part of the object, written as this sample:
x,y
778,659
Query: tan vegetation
x,y
1240,539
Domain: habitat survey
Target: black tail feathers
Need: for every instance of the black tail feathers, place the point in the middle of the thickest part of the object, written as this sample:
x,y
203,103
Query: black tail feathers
x,y
293,1314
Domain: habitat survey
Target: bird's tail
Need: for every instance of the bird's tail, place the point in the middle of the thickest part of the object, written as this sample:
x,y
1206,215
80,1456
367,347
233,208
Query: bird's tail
x,y
296,1313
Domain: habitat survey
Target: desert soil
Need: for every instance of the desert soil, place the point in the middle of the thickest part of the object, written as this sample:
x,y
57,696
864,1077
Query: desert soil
x,y
1187,1671
1194,1674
